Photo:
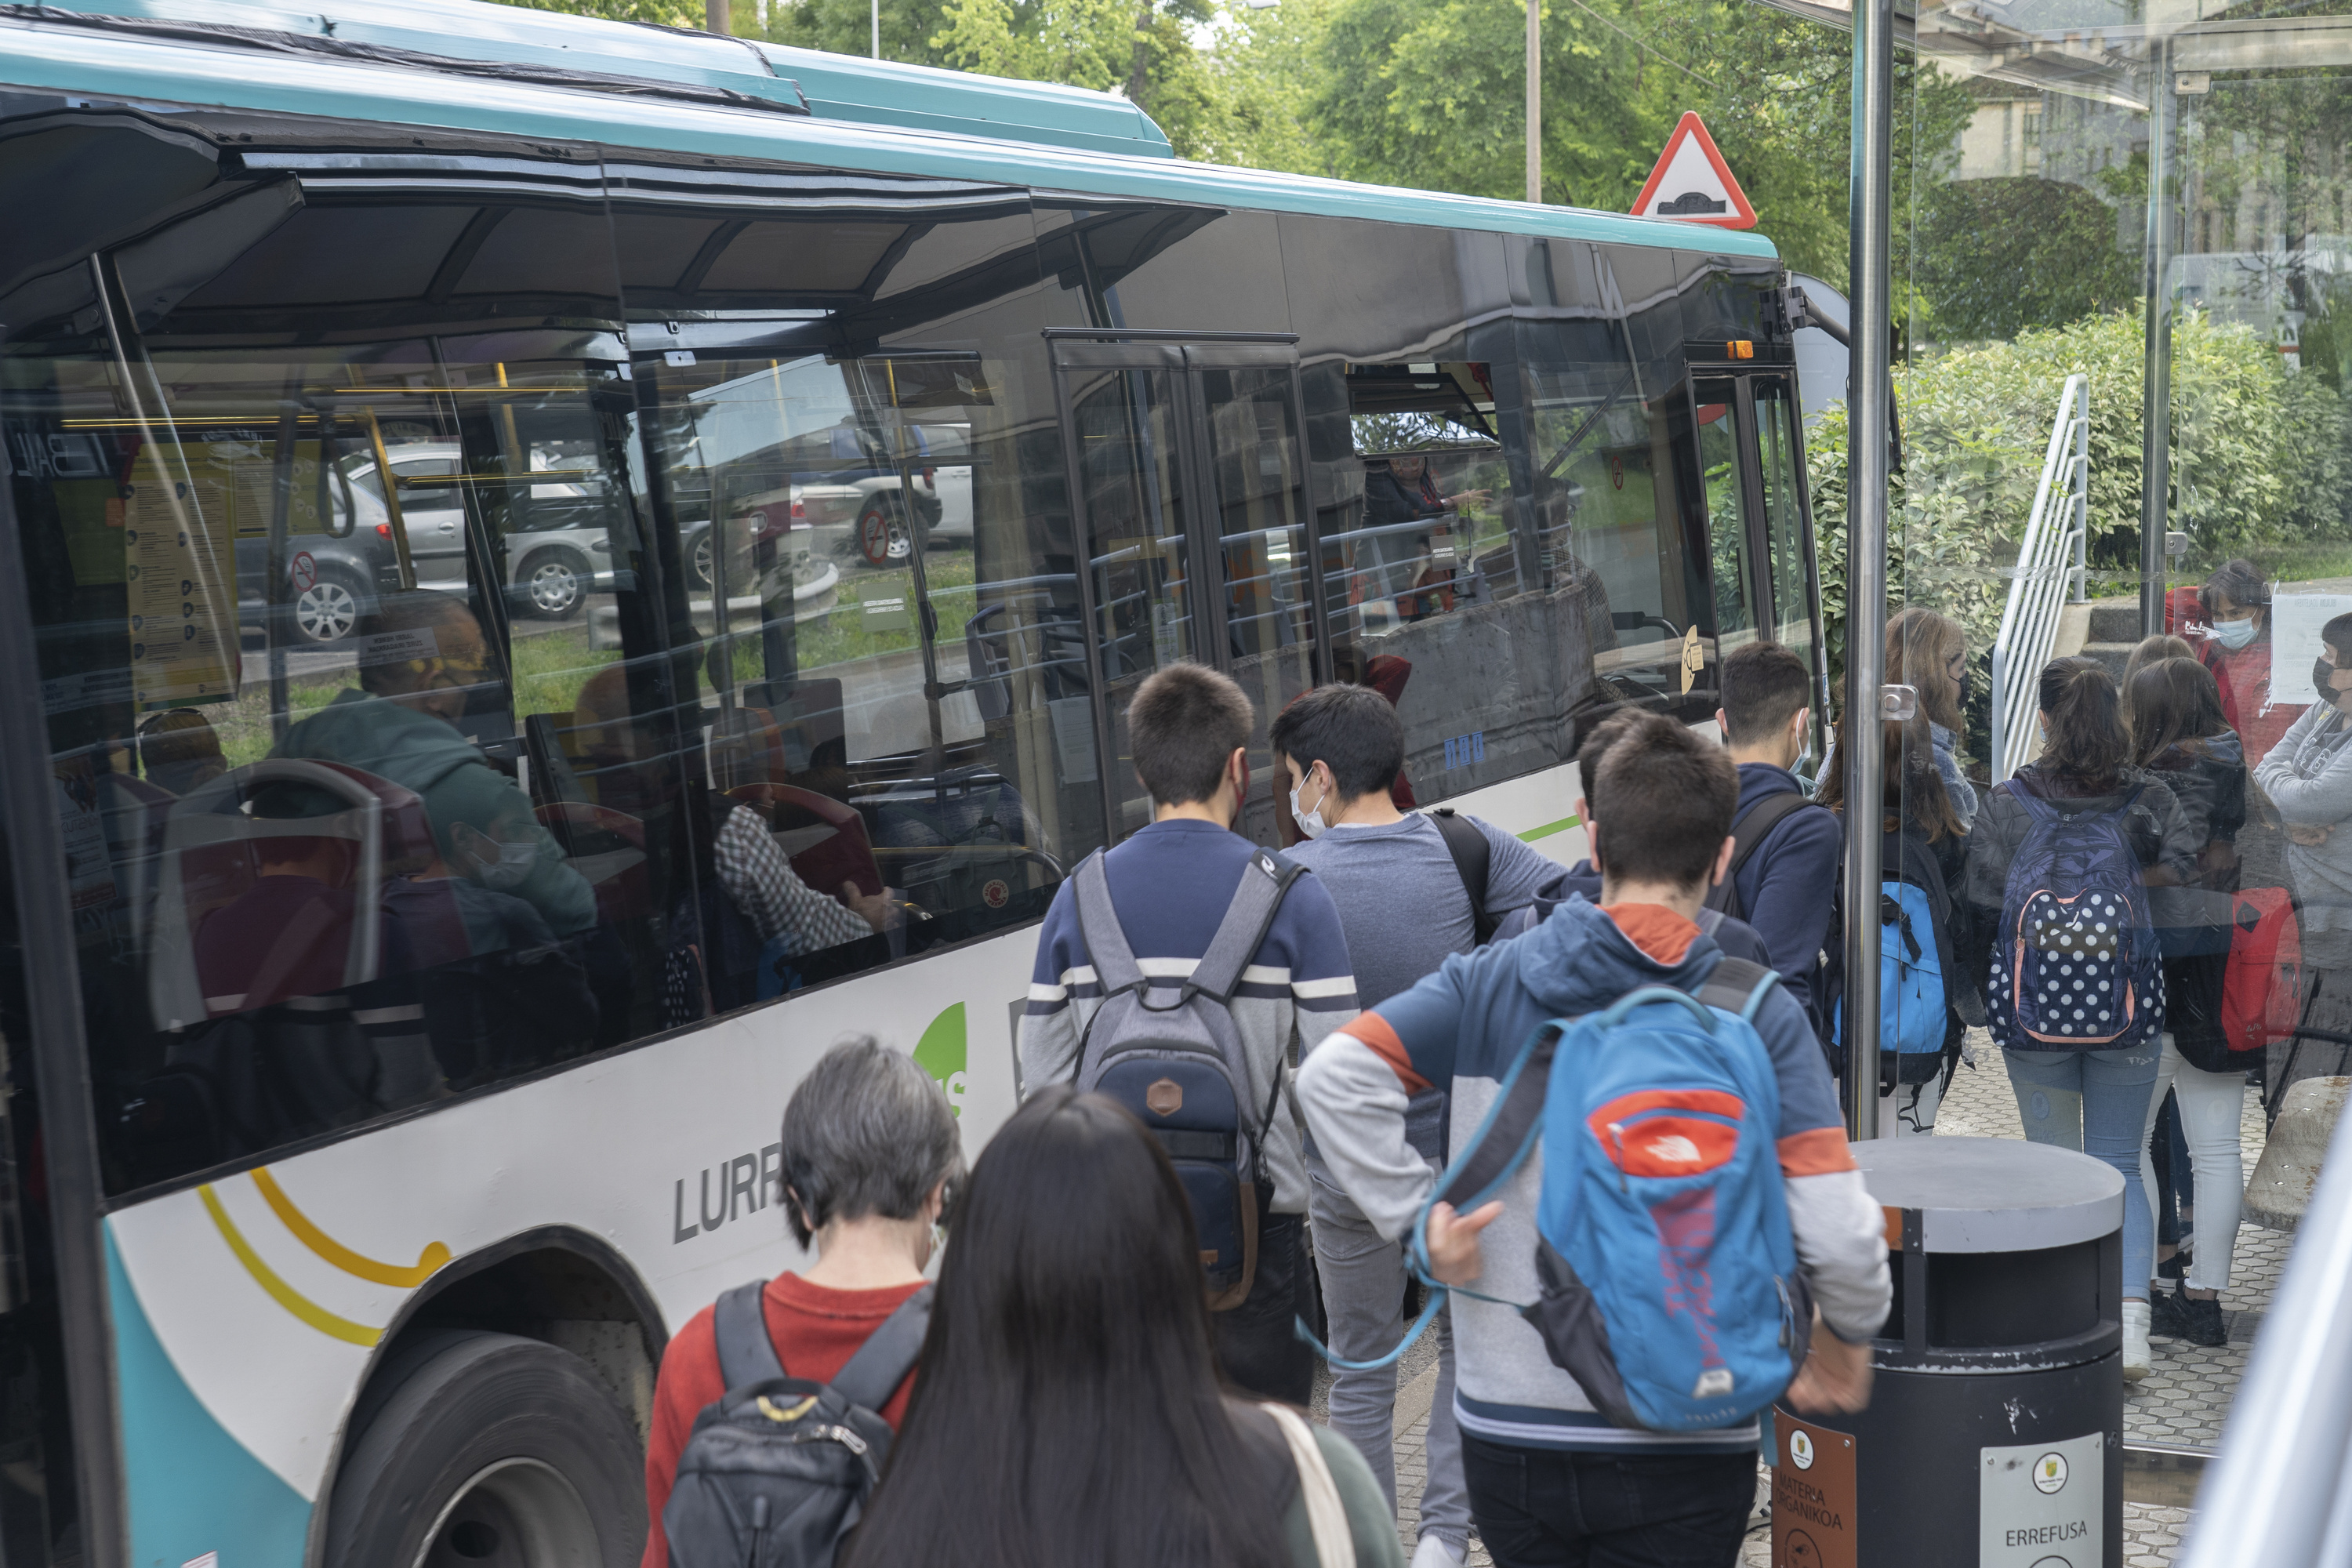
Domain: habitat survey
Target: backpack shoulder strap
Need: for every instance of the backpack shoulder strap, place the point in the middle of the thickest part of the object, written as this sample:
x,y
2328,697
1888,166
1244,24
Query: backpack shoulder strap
x,y
1264,880
1749,830
1326,1516
1471,854
1509,1128
1106,950
871,1376
740,1324
1736,985
1709,921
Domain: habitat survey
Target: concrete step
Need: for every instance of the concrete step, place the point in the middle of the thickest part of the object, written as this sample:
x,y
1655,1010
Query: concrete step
x,y
2115,620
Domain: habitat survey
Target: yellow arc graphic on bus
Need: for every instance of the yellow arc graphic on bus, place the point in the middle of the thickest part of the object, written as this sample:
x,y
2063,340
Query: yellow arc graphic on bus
x,y
327,1247
428,1261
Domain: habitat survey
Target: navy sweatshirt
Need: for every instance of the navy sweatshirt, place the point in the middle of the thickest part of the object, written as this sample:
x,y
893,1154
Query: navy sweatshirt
x,y
1790,883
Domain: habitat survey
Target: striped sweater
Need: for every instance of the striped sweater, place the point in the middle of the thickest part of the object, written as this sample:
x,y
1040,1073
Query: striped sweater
x,y
1459,1030
1171,883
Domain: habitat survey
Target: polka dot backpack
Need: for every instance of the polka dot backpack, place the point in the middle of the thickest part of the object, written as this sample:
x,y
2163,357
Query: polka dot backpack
x,y
2075,962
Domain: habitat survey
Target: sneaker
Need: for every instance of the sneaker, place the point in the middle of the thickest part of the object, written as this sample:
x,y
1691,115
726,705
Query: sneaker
x,y
1432,1552
2200,1322
2137,1362
2164,1319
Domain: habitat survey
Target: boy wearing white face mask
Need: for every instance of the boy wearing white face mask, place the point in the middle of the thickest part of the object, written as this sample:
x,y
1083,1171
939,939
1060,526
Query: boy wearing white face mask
x,y
1405,903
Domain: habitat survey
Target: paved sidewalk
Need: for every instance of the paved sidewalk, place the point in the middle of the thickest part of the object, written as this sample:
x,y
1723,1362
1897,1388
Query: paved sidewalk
x,y
2183,1399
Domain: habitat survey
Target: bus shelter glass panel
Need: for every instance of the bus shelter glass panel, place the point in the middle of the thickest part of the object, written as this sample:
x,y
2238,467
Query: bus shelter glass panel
x,y
2124,508
321,543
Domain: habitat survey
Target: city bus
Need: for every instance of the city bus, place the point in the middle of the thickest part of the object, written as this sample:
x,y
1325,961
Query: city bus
x,y
550,569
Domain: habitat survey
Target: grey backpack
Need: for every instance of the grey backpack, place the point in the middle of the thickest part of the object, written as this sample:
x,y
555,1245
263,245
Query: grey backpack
x,y
1168,1051
778,1470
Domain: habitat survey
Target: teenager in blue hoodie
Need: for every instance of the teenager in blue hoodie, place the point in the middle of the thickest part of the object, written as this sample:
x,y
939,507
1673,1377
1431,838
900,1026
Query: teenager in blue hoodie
x,y
1550,1480
1736,938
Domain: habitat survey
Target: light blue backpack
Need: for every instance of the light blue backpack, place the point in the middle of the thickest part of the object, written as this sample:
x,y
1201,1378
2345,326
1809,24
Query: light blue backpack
x,y
1671,1290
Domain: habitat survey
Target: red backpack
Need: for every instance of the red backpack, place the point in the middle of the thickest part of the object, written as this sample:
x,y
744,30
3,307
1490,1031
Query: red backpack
x,y
2262,990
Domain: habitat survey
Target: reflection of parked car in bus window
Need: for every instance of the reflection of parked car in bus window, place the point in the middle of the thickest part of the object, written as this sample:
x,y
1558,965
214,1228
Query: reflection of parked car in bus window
x,y
333,582
558,551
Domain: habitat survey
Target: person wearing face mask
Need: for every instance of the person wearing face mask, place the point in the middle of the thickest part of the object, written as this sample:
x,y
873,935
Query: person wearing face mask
x,y
1783,878
2237,649
1338,751
1171,883
2308,778
422,655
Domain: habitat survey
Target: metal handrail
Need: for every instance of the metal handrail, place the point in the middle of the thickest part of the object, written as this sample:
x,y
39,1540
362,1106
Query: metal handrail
x,y
2275,1494
2055,550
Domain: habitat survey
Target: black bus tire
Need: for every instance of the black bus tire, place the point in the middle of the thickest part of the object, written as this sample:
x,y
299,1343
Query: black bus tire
x,y
489,1451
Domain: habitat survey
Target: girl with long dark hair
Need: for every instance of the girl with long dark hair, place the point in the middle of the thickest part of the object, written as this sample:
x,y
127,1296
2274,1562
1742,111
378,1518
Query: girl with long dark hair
x,y
2179,734
1930,653
2081,1096
1067,1412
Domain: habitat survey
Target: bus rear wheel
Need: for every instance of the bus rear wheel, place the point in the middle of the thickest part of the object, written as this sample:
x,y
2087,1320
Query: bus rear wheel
x,y
482,1450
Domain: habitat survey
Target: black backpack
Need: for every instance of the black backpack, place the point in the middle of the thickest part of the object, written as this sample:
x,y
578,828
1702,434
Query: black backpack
x,y
1748,832
778,1470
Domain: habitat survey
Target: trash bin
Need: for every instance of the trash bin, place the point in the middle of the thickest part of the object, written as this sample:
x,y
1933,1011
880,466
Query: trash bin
x,y
1994,1434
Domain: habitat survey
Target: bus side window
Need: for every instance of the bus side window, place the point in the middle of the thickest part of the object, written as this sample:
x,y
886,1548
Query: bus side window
x,y
310,668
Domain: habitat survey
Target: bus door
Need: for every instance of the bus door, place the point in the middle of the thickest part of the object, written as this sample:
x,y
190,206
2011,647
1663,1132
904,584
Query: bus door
x,y
1190,479
1759,522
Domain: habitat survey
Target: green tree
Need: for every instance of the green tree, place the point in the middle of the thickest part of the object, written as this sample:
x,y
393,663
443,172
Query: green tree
x,y
846,26
1432,94
1998,254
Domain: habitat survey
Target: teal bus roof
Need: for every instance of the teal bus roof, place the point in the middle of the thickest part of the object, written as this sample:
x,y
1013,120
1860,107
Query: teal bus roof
x,y
831,86
860,129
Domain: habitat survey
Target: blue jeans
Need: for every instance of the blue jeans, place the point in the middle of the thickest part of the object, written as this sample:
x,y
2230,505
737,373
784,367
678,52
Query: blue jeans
x,y
2096,1101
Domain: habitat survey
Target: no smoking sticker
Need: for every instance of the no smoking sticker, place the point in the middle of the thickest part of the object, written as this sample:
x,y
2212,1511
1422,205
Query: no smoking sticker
x,y
303,572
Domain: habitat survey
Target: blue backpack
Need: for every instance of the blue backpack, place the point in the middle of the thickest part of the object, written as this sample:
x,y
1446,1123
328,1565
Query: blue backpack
x,y
1671,1290
1914,957
2076,965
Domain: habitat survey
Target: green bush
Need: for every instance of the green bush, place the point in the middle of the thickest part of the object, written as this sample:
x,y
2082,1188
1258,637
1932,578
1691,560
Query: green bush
x,y
2259,463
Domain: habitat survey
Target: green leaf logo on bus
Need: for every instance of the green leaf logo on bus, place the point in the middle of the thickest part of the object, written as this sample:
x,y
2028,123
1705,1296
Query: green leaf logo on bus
x,y
940,1052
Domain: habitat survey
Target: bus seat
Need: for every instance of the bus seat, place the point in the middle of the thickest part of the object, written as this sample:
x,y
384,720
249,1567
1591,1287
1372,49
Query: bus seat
x,y
608,848
826,840
209,860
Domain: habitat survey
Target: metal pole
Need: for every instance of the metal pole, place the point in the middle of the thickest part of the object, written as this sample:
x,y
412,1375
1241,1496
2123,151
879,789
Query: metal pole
x,y
2156,372
1535,100
1869,402
877,29
714,17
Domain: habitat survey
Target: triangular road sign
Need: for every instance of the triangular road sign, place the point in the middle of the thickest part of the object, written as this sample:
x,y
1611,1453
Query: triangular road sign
x,y
1692,182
